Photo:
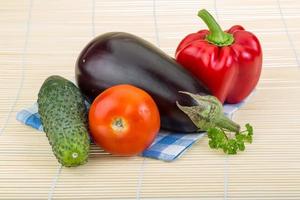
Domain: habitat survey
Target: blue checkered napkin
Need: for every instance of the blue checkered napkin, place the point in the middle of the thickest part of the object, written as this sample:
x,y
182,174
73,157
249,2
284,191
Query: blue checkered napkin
x,y
170,146
167,146
30,117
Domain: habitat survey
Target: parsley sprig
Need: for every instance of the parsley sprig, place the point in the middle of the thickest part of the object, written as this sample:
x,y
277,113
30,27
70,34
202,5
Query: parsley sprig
x,y
219,139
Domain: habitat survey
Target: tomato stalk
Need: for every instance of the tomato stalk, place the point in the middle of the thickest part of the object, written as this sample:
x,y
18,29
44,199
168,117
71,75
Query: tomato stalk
x,y
119,124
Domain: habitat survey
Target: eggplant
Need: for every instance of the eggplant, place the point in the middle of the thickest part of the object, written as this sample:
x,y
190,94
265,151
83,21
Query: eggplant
x,y
122,58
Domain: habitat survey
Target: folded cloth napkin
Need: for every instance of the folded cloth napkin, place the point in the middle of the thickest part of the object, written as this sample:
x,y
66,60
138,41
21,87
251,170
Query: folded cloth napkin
x,y
167,146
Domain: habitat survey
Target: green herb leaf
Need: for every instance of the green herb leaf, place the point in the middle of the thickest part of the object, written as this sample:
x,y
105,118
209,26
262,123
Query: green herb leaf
x,y
218,139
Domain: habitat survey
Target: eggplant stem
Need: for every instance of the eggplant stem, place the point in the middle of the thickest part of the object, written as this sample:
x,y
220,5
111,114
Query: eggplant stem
x,y
208,113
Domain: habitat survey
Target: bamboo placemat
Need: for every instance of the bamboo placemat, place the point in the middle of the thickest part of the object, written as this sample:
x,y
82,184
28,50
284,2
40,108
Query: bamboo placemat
x,y
40,38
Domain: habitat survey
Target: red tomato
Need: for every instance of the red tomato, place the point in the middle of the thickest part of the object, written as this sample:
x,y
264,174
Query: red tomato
x,y
124,120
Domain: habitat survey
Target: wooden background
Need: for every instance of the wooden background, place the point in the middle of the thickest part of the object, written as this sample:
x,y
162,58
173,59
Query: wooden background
x,y
39,38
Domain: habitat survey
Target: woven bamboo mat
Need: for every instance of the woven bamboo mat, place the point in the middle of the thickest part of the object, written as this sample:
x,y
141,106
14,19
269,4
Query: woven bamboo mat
x,y
40,38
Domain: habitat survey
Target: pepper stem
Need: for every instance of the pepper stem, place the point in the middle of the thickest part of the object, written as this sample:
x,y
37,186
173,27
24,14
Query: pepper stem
x,y
217,36
208,113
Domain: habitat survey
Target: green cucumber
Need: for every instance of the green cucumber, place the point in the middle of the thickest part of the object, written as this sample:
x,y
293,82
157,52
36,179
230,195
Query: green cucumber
x,y
64,118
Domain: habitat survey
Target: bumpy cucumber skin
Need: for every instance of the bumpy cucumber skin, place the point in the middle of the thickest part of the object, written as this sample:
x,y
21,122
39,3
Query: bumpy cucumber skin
x,y
64,118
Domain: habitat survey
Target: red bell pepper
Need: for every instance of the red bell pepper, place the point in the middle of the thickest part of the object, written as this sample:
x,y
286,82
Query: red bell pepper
x,y
228,63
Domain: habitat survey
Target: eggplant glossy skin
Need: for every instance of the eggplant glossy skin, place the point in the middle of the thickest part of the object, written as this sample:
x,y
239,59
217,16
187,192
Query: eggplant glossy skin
x,y
121,58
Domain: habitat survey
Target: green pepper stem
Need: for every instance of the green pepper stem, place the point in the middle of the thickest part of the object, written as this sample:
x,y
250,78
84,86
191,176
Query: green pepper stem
x,y
217,36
